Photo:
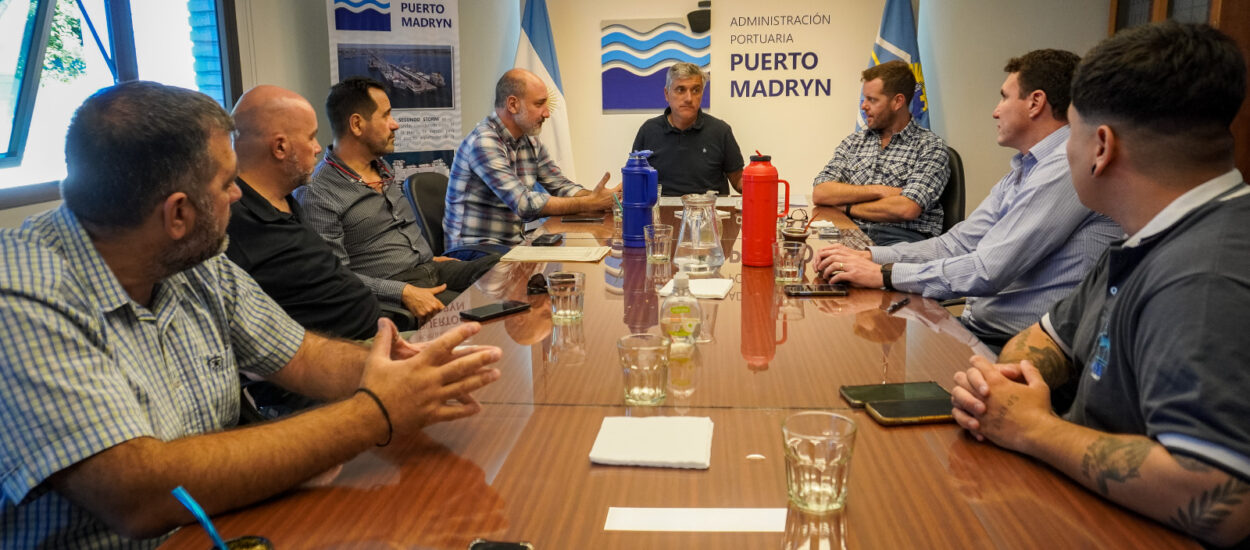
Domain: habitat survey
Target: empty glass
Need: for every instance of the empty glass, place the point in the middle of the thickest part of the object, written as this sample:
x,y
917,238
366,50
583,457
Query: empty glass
x,y
644,364
818,449
659,243
568,292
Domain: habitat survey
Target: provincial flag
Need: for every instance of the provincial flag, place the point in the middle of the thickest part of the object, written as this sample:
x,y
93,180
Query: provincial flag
x,y
536,52
897,40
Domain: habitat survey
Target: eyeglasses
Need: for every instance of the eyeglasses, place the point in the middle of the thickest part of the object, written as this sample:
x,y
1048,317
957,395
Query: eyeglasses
x,y
536,285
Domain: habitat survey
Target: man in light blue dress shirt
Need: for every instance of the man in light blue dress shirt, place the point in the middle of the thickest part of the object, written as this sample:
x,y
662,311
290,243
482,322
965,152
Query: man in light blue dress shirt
x,y
1027,245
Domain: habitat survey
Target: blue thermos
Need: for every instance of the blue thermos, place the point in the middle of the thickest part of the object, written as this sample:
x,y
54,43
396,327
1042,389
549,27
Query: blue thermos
x,y
640,181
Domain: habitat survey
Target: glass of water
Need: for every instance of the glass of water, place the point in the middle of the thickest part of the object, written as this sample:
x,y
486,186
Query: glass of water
x,y
659,242
818,449
788,261
644,364
568,293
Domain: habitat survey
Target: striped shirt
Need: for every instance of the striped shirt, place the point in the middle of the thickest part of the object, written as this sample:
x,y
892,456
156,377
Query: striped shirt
x,y
914,161
86,368
492,192
1025,247
374,234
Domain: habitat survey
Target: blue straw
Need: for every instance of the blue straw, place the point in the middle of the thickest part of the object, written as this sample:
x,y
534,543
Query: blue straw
x,y
185,498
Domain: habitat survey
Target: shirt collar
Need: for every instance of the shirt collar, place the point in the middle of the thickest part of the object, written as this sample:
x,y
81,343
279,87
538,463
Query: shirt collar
x,y
378,164
907,133
698,121
1049,145
89,267
497,124
257,204
1185,204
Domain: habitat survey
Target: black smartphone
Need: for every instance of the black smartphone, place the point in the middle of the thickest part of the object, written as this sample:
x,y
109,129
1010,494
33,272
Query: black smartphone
x,y
494,311
857,396
548,239
582,218
826,289
483,544
911,411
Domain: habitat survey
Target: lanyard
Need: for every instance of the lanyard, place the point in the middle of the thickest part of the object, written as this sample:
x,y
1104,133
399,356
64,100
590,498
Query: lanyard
x,y
374,185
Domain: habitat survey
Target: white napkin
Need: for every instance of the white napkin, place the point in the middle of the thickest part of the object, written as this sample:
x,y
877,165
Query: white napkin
x,y
658,441
821,223
704,288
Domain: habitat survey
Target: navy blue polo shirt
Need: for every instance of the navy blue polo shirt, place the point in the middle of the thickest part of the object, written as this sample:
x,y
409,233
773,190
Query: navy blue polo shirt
x,y
694,160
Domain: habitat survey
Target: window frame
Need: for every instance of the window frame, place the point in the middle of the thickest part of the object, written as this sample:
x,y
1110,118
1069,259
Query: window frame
x,y
29,88
121,33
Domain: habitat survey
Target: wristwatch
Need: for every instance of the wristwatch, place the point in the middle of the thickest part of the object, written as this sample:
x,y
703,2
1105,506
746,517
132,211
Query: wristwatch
x,y
887,271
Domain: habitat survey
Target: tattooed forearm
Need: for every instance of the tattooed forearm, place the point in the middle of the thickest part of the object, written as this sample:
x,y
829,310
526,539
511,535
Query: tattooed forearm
x,y
1206,511
1114,458
1035,345
1192,464
1051,363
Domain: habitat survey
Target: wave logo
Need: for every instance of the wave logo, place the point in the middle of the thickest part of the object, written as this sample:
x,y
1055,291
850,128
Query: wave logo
x,y
636,54
362,15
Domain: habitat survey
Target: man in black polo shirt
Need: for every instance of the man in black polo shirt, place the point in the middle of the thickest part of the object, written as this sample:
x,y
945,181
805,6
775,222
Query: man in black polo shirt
x,y
276,143
693,151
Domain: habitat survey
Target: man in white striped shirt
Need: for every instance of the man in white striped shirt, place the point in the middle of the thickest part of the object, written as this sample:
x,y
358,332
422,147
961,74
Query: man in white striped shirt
x,y
1027,245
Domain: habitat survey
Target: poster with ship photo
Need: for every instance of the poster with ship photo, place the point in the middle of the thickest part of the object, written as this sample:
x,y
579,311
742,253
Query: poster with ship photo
x,y
413,50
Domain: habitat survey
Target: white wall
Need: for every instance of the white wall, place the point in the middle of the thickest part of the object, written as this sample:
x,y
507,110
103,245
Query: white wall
x,y
964,45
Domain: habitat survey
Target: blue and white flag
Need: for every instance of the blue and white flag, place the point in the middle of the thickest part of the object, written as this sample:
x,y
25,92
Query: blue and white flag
x,y
897,40
536,52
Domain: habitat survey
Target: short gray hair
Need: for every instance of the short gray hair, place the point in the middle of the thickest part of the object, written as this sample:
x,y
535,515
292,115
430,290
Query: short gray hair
x,y
680,70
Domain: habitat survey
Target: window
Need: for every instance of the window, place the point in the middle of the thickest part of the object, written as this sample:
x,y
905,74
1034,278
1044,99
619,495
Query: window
x,y
23,27
93,44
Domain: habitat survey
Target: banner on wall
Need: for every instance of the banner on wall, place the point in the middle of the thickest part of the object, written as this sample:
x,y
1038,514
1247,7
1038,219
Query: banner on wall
x,y
412,48
536,52
635,55
897,40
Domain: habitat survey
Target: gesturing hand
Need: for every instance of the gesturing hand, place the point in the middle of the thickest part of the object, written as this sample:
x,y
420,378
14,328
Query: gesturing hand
x,y
432,386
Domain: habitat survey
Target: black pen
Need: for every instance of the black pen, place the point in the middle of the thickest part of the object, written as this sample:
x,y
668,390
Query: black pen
x,y
897,305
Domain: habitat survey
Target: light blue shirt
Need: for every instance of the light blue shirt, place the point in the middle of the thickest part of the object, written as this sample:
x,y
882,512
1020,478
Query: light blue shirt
x,y
1025,246
85,368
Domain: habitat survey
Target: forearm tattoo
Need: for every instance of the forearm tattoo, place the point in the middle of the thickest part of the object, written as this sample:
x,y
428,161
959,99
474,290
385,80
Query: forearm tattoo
x,y
1111,458
1206,511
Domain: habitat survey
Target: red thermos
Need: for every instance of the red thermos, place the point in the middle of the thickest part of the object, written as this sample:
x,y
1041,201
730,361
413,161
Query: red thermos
x,y
759,210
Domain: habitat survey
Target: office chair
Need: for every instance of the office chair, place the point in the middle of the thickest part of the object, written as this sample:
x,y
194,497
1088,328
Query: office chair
x,y
426,193
952,199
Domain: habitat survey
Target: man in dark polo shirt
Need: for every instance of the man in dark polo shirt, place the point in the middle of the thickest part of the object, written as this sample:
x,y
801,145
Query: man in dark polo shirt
x,y
694,152
276,143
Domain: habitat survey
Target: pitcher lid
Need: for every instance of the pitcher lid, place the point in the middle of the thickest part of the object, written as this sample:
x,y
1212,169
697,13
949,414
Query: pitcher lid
x,y
760,157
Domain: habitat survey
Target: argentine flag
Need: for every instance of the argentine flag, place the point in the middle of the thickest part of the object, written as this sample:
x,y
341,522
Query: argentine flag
x,y
897,40
536,52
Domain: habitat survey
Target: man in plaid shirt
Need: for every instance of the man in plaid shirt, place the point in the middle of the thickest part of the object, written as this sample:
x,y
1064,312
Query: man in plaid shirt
x,y
888,178
493,192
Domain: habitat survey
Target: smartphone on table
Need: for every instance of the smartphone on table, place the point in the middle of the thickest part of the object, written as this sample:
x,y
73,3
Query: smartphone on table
x,y
582,218
548,239
824,289
910,411
858,396
494,311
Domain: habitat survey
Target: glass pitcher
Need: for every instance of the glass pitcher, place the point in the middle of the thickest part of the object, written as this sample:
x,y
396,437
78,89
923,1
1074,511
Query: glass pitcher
x,y
699,250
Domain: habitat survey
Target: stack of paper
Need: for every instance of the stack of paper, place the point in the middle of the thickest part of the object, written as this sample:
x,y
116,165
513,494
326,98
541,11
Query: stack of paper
x,y
555,254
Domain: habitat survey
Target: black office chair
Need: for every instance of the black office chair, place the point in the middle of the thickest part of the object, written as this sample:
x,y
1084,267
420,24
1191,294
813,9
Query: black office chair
x,y
952,199
426,192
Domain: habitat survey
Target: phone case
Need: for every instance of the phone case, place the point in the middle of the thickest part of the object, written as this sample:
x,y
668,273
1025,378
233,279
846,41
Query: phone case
x,y
549,239
898,413
806,290
486,313
857,396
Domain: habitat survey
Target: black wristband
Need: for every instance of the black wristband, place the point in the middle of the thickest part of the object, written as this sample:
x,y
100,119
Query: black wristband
x,y
887,276
390,429
848,210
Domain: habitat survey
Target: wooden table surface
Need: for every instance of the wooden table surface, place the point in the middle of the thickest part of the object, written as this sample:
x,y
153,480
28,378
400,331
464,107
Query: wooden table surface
x,y
520,469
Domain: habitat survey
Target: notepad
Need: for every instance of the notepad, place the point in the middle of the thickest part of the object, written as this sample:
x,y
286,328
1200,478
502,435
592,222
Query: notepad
x,y
555,254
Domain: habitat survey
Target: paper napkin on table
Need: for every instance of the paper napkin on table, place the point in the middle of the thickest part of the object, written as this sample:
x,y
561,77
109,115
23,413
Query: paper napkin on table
x,y
658,441
704,288
821,223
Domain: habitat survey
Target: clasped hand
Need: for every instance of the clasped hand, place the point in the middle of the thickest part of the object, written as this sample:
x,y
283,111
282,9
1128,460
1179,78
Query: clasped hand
x,y
840,264
1005,403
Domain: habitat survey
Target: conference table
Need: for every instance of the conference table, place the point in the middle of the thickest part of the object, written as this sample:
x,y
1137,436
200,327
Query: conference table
x,y
519,470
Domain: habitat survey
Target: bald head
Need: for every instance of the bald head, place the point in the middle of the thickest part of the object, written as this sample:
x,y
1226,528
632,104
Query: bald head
x,y
275,135
515,83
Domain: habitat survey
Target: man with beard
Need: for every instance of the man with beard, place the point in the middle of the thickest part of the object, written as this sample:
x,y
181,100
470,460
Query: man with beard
x,y
888,178
355,204
276,143
126,330
497,170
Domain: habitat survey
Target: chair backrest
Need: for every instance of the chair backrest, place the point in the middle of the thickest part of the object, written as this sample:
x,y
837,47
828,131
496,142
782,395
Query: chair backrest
x,y
426,192
952,198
